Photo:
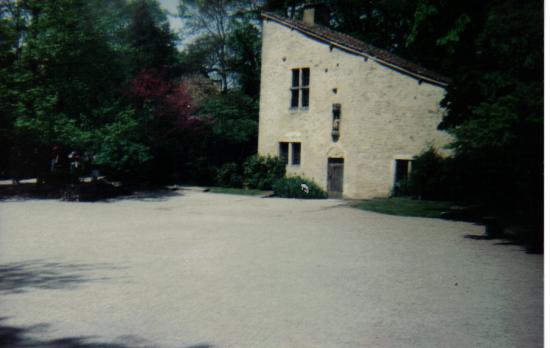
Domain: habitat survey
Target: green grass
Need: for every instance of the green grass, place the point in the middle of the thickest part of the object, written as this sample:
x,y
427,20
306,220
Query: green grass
x,y
404,207
236,191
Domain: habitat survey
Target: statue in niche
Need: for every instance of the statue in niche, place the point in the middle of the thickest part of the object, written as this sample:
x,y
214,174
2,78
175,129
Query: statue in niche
x,y
335,122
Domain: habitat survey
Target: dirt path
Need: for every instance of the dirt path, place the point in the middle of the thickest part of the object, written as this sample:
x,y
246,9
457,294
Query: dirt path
x,y
201,270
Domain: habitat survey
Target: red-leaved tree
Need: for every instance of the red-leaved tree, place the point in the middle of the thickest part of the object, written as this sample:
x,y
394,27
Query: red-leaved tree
x,y
167,112
169,105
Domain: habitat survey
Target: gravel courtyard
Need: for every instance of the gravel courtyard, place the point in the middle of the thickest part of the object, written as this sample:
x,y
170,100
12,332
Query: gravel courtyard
x,y
210,270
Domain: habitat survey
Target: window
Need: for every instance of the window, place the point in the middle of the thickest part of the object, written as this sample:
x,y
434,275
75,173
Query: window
x,y
296,149
283,152
299,90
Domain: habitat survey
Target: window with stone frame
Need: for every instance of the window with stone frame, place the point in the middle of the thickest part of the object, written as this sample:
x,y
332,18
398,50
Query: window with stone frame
x,y
290,153
299,89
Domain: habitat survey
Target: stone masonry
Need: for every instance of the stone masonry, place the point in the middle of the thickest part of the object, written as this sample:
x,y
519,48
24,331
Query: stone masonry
x,y
386,114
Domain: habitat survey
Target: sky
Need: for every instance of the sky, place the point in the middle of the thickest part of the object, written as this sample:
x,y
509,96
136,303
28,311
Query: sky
x,y
172,7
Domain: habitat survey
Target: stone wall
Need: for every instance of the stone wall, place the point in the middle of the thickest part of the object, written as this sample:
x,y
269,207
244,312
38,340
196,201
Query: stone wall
x,y
385,114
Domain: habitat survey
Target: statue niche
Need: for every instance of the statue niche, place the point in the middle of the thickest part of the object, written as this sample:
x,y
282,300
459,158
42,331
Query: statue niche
x,y
336,112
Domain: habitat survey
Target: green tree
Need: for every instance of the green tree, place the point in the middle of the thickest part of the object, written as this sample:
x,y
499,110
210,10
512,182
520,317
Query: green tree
x,y
245,62
226,42
13,21
494,53
66,69
233,120
63,74
148,34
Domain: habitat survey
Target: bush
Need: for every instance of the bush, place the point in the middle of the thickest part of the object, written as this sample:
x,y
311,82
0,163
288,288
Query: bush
x,y
228,176
199,171
432,178
402,188
292,188
261,172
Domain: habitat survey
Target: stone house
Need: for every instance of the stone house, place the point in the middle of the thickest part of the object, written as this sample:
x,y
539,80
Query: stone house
x,y
339,111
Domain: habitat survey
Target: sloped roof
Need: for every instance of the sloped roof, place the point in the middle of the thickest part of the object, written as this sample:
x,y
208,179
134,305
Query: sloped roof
x,y
359,47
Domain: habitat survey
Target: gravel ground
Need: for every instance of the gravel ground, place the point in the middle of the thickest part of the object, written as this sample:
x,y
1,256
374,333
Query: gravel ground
x,y
211,270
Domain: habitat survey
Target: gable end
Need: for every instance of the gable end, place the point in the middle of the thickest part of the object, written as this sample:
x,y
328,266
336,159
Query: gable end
x,y
353,46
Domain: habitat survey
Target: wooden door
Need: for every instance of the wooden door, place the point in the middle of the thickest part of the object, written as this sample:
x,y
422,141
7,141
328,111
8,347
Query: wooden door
x,y
335,177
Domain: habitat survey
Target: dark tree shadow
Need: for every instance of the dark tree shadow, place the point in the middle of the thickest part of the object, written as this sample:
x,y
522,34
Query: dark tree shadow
x,y
99,191
508,243
529,248
21,192
156,195
22,337
18,277
477,237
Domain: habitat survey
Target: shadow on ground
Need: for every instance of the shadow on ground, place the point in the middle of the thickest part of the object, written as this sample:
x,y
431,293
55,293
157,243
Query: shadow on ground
x,y
155,195
99,191
18,277
28,191
528,247
25,337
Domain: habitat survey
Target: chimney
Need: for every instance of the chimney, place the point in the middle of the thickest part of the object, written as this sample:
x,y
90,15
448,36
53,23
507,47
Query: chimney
x,y
316,13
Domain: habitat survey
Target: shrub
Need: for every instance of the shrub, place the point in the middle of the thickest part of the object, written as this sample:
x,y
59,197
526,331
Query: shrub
x,y
292,188
228,176
402,188
433,177
199,171
261,172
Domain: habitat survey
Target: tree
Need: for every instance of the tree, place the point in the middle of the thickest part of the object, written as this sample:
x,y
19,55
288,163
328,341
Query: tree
x,y
167,112
65,68
225,38
148,34
245,43
225,48
494,54
62,74
234,119
12,24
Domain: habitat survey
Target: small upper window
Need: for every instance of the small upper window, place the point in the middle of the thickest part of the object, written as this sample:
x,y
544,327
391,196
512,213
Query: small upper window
x,y
305,77
294,98
299,90
295,77
305,97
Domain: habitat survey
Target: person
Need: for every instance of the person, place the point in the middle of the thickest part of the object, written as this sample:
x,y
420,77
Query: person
x,y
74,166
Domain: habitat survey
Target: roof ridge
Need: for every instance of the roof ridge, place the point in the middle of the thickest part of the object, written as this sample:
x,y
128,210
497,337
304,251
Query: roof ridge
x,y
357,46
